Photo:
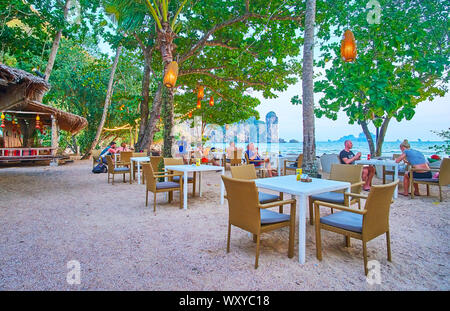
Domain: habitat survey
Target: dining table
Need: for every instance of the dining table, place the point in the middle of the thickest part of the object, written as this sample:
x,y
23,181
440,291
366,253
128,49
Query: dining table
x,y
186,169
383,162
301,191
138,161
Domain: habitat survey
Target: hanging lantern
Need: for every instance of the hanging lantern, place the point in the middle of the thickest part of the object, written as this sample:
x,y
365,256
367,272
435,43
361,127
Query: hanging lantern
x,y
211,101
190,114
199,104
200,92
2,116
3,123
37,122
348,47
170,78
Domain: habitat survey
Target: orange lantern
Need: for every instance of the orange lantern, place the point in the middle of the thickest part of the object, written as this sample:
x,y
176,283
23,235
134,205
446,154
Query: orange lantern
x,y
211,101
199,104
3,123
38,122
200,92
190,114
348,47
170,78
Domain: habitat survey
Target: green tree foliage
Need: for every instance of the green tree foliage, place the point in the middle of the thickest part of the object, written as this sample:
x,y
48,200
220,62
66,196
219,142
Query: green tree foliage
x,y
79,84
400,62
445,148
230,47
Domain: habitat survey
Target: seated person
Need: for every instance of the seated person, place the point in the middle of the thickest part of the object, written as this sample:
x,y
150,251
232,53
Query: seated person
x,y
417,160
182,150
205,156
123,147
348,157
230,151
110,150
255,159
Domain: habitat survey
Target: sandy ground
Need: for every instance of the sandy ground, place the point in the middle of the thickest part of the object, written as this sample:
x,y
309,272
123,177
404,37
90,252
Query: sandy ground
x,y
51,215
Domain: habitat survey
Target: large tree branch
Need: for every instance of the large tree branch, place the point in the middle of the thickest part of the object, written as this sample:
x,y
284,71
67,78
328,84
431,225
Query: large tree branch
x,y
198,70
247,82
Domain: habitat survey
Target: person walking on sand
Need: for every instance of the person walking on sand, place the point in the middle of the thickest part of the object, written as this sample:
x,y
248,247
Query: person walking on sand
x,y
348,157
417,160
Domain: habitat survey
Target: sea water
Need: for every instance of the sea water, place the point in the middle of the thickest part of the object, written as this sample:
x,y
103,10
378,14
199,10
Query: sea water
x,y
389,147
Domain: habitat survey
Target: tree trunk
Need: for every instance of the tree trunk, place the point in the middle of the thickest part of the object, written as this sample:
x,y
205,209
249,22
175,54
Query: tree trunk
x,y
107,102
309,141
150,129
145,93
366,131
381,136
165,42
168,122
54,50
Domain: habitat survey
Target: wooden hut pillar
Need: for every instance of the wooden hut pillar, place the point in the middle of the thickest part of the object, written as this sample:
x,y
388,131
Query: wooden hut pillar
x,y
55,135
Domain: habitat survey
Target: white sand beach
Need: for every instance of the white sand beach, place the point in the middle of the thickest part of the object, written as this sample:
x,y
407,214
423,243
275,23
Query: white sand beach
x,y
51,215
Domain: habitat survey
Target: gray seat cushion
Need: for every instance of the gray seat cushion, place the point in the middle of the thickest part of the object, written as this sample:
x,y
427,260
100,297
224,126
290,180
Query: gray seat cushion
x,y
271,217
331,197
121,169
177,178
432,180
167,185
344,220
267,198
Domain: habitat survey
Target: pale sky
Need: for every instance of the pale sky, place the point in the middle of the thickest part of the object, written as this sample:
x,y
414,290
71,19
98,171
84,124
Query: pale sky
x,y
429,116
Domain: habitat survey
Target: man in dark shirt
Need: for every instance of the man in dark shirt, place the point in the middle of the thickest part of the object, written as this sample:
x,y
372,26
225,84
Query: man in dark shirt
x,y
348,157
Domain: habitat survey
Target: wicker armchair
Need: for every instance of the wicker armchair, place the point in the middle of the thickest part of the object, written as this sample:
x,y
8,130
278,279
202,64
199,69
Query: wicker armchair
x,y
247,213
295,164
340,172
442,180
247,172
257,164
152,185
179,161
112,170
364,225
95,157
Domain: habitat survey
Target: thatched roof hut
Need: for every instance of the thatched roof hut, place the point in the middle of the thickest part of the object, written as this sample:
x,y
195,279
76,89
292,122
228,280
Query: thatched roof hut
x,y
18,91
17,85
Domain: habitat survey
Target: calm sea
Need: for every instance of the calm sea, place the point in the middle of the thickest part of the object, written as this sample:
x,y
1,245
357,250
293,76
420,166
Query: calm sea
x,y
389,148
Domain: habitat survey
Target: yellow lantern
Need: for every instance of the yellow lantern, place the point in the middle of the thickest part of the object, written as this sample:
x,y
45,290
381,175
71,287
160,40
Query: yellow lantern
x,y
2,116
211,101
37,118
348,47
170,78
200,92
199,104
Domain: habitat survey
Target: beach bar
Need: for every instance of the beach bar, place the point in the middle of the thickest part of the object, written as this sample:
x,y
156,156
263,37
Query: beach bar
x,y
22,115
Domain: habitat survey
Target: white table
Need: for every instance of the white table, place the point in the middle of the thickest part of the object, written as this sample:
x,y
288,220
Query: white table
x,y
384,162
194,168
138,160
302,190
